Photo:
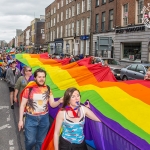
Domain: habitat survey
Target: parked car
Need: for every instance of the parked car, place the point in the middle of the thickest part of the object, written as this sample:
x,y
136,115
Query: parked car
x,y
134,71
112,63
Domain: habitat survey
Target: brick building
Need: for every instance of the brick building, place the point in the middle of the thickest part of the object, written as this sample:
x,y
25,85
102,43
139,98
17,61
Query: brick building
x,y
103,27
132,39
27,37
38,32
68,26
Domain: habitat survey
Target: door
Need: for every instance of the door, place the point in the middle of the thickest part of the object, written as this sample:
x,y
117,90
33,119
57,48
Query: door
x,y
131,72
140,72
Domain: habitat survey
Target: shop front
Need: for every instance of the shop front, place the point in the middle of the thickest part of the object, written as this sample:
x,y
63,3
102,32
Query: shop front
x,y
58,46
132,44
103,44
68,46
85,44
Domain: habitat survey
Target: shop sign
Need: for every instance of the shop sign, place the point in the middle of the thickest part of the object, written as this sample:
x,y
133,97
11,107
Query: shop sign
x,y
84,37
130,29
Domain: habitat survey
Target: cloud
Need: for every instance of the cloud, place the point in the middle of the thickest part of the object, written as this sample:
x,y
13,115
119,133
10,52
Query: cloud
x,y
17,14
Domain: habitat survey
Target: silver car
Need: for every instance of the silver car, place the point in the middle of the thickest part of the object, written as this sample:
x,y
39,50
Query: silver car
x,y
112,63
134,71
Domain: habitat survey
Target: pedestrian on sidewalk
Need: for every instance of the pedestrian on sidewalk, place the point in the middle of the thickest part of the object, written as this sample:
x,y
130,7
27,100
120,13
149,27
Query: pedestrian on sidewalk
x,y
35,98
22,82
12,75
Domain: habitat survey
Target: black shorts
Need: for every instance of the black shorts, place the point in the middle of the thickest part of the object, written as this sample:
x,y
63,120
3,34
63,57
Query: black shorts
x,y
11,89
65,145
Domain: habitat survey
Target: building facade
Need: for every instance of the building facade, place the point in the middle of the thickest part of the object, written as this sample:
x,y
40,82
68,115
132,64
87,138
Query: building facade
x,y
103,27
68,26
132,39
38,33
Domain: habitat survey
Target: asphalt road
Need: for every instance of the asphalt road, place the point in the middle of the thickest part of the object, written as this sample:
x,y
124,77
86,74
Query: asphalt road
x,y
10,137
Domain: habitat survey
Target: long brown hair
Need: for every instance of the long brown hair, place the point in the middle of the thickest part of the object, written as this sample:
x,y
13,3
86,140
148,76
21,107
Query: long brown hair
x,y
67,96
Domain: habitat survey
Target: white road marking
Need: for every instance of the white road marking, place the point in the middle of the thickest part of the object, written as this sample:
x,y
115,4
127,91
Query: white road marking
x,y
8,118
5,126
11,142
11,148
2,107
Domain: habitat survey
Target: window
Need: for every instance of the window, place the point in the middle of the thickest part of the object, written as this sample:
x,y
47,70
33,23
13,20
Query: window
x,y
61,30
96,23
66,30
78,8
73,11
82,47
88,5
83,6
103,1
97,3
53,34
51,11
87,47
66,2
133,67
132,51
140,68
111,17
77,30
51,22
82,27
72,29
58,5
103,21
67,14
69,28
88,26
57,32
57,17
125,14
54,22
61,16
62,3
54,10
140,5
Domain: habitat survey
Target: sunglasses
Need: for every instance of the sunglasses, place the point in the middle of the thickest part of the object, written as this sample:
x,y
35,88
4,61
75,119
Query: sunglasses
x,y
29,70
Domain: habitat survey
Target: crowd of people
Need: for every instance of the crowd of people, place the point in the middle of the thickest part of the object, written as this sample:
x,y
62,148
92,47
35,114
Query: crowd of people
x,y
29,90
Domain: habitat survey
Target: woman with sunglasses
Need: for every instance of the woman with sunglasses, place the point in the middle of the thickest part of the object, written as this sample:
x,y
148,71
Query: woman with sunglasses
x,y
71,118
22,82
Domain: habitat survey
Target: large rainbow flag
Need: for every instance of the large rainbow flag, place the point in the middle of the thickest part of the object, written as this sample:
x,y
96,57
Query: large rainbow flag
x,y
123,107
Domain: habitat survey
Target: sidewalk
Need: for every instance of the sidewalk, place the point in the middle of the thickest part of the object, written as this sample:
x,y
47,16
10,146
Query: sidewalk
x,y
9,135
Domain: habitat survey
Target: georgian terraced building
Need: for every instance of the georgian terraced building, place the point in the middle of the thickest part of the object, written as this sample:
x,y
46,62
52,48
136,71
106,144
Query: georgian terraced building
x,y
67,26
132,39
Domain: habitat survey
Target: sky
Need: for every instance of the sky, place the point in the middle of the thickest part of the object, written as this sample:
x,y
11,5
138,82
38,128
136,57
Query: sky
x,y
18,14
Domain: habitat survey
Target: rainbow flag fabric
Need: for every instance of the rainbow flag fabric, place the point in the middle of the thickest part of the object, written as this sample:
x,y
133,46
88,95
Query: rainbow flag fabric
x,y
123,107
1,62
